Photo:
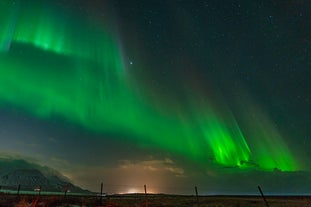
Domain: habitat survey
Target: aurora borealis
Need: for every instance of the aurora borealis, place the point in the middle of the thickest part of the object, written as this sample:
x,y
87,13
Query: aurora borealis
x,y
109,78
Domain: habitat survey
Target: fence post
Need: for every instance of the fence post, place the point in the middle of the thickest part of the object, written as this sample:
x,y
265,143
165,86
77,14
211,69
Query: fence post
x,y
101,193
66,189
146,201
196,195
263,196
18,188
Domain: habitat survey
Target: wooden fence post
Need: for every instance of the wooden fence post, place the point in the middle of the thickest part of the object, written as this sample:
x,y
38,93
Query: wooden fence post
x,y
146,201
263,196
101,193
196,195
18,188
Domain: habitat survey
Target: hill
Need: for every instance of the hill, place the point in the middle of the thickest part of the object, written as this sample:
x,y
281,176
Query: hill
x,y
15,172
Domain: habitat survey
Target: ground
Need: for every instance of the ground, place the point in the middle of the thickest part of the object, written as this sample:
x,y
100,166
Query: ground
x,y
140,200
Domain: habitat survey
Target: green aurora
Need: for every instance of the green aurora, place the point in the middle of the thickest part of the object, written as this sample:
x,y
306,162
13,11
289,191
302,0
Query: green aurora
x,y
49,68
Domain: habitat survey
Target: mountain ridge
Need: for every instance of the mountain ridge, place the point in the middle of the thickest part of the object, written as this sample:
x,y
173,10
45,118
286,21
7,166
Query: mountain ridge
x,y
30,176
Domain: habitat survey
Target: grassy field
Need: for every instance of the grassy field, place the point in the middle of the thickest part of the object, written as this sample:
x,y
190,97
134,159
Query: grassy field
x,y
139,200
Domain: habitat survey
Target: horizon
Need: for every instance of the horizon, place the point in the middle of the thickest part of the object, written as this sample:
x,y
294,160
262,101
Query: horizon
x,y
18,164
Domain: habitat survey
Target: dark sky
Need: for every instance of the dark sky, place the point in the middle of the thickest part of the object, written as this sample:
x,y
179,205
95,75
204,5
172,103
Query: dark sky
x,y
170,94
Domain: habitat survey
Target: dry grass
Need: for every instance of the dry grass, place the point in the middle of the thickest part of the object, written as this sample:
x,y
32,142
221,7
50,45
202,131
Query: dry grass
x,y
8,200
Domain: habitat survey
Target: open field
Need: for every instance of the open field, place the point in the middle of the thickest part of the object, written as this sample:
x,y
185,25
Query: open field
x,y
139,200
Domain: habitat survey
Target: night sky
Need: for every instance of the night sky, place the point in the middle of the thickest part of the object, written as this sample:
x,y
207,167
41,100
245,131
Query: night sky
x,y
172,94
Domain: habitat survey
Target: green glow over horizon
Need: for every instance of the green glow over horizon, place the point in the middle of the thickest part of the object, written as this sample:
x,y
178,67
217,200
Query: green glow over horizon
x,y
56,66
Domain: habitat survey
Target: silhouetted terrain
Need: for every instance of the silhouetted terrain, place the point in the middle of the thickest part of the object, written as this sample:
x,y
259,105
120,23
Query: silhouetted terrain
x,y
30,176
